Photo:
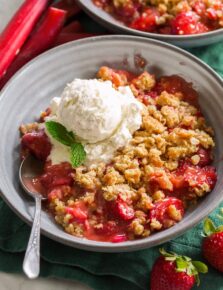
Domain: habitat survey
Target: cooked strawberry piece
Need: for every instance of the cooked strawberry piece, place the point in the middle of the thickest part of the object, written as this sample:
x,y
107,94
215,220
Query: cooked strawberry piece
x,y
199,7
37,143
120,209
196,176
147,21
78,212
57,175
119,238
162,211
188,175
185,23
175,84
205,157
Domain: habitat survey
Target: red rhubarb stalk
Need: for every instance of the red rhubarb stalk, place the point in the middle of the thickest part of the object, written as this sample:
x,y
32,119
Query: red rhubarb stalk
x,y
17,31
40,40
70,6
73,27
67,37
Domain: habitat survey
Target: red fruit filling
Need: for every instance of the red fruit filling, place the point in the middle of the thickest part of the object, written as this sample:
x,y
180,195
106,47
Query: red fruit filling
x,y
175,84
146,22
37,143
162,211
188,175
187,23
56,175
185,18
122,210
156,197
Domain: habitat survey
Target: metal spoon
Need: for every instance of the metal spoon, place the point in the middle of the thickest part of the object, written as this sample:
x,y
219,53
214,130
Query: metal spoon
x,y
30,168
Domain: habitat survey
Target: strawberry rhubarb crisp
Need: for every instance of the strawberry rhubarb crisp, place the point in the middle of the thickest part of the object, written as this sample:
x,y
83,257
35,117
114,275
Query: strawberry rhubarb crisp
x,y
125,155
177,17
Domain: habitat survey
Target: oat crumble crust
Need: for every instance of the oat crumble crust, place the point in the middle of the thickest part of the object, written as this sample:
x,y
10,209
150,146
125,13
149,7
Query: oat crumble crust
x,y
171,130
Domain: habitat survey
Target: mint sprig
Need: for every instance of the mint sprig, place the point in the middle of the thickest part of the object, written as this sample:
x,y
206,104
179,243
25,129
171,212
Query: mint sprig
x,y
62,135
78,154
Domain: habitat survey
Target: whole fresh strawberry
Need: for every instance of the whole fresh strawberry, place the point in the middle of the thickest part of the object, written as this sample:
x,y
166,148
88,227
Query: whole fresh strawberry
x,y
212,246
174,272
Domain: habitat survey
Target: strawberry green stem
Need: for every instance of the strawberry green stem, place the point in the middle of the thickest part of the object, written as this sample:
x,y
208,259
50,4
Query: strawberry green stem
x,y
185,264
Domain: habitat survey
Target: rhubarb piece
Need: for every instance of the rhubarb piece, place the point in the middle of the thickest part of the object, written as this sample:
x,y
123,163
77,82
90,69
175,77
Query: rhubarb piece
x,y
73,27
67,37
70,6
39,42
17,31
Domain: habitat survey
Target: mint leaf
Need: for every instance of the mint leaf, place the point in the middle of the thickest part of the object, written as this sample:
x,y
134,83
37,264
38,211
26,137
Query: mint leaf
x,y
78,154
60,133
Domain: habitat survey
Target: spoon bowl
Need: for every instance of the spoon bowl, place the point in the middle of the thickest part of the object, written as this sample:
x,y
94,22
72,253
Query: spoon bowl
x,y
30,168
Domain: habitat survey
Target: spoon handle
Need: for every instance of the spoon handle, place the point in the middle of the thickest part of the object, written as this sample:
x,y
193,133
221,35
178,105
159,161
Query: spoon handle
x,y
31,263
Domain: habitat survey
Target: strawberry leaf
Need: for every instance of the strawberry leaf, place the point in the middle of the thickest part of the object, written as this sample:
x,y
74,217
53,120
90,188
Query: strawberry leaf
x,y
164,253
209,227
181,264
78,154
185,264
60,133
219,229
200,267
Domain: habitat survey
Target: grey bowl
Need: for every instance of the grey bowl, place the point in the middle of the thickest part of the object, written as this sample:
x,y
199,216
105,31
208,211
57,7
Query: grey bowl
x,y
114,25
31,89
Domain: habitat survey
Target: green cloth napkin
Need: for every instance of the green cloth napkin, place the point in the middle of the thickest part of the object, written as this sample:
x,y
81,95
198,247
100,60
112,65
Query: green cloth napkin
x,y
101,271
121,271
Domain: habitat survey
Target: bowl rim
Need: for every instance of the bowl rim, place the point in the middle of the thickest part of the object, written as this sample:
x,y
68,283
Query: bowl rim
x,y
116,24
128,246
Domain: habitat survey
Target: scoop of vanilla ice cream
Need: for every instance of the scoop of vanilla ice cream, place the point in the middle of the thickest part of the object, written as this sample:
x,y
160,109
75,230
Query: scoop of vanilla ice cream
x,y
91,109
101,117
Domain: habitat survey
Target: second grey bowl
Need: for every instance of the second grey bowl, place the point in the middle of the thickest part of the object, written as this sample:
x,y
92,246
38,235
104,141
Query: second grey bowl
x,y
107,20
32,88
